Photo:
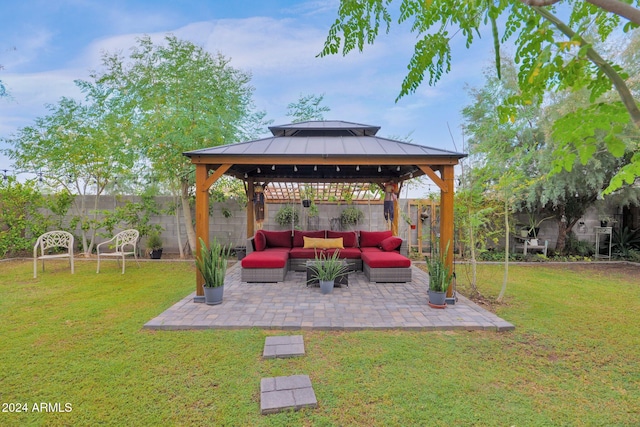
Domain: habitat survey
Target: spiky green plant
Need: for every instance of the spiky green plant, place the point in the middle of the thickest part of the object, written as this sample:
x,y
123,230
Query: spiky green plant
x,y
212,263
327,269
439,275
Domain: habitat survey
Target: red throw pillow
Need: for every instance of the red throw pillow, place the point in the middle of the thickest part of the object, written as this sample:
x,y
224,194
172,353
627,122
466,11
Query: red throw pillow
x,y
260,241
349,238
298,237
278,239
373,238
391,243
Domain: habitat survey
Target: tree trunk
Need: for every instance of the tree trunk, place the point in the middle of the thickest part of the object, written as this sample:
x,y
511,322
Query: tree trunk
x,y
188,218
472,250
178,233
562,231
506,251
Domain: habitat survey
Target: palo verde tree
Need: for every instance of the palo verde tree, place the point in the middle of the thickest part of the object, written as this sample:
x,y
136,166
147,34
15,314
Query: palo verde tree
x,y
551,55
180,98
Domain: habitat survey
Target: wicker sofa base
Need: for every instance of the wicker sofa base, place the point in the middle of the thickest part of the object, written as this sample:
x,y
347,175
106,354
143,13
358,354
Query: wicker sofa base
x,y
263,275
300,264
387,275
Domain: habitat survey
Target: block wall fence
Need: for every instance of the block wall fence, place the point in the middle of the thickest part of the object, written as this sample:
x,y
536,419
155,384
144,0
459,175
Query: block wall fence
x,y
232,229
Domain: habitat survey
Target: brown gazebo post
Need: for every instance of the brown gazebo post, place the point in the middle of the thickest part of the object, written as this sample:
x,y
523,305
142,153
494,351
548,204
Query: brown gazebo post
x,y
250,208
447,226
204,181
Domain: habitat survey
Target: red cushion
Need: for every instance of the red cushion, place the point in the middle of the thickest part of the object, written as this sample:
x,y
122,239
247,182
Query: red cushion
x,y
349,253
391,243
370,249
277,239
385,260
281,250
265,259
302,253
259,241
349,238
373,238
298,237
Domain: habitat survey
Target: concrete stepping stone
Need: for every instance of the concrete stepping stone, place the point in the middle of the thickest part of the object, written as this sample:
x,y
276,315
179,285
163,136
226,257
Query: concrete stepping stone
x,y
283,346
279,394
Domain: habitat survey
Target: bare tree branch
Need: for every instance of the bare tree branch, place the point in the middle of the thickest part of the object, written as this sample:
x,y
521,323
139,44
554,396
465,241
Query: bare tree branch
x,y
539,3
619,8
614,6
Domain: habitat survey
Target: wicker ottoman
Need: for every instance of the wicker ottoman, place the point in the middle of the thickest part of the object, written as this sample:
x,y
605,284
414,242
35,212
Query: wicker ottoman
x,y
386,267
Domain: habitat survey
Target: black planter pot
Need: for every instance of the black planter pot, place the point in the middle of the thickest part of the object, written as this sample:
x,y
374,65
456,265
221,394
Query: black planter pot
x,y
306,203
241,252
155,253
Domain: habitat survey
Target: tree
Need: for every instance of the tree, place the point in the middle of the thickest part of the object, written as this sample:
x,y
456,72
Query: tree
x,y
20,217
551,55
79,147
181,98
307,108
567,195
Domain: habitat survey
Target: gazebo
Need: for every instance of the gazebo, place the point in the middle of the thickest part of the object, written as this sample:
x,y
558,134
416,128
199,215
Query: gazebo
x,y
323,151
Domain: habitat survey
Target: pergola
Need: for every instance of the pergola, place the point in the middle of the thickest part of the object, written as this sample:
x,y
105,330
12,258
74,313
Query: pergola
x,y
323,151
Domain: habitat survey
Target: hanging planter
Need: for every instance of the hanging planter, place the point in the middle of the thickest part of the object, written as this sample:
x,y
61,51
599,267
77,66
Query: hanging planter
x,y
306,203
287,216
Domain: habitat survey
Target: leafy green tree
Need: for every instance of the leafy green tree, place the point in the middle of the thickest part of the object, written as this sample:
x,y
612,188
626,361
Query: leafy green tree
x,y
477,220
307,108
502,152
568,193
21,220
180,98
82,148
551,55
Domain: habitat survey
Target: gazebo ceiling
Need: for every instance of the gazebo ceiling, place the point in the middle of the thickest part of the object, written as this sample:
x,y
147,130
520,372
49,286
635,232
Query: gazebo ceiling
x,y
329,151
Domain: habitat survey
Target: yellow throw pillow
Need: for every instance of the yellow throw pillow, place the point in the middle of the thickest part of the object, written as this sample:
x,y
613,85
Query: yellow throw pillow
x,y
319,243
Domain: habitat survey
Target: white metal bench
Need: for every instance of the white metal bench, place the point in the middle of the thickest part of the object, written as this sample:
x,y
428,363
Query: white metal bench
x,y
528,246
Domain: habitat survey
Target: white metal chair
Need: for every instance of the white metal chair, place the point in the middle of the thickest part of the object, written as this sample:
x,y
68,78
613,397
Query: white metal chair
x,y
119,243
52,239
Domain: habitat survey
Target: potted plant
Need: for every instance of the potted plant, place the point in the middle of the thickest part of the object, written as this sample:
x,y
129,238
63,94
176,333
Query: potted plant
x,y
307,194
313,211
351,216
326,270
534,226
212,264
313,219
439,278
286,216
154,245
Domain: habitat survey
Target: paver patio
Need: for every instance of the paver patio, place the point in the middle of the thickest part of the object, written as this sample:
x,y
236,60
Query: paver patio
x,y
292,305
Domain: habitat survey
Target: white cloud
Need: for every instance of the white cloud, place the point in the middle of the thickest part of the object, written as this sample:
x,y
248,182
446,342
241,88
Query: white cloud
x,y
281,55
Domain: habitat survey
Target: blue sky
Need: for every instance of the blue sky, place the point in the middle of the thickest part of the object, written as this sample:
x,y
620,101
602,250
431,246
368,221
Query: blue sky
x,y
45,45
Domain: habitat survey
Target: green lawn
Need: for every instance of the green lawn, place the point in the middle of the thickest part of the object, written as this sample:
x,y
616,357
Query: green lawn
x,y
574,358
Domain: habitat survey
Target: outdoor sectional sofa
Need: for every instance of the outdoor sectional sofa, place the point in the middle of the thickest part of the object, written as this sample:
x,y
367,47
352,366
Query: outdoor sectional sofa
x,y
379,254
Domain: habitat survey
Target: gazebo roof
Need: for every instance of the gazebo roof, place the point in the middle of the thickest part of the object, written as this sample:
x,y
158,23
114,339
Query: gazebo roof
x,y
325,151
